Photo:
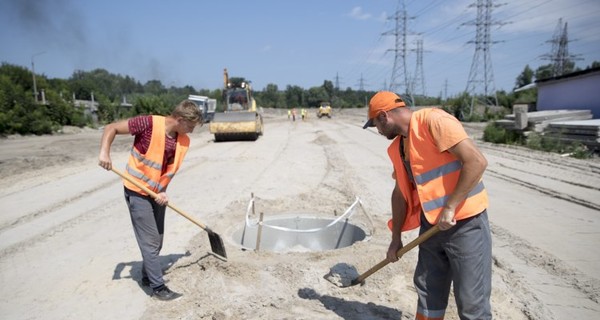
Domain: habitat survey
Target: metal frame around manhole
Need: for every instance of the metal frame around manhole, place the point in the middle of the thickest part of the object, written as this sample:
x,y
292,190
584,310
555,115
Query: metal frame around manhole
x,y
301,232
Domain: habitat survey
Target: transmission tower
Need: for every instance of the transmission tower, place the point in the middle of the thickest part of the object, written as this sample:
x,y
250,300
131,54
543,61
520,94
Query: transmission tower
x,y
480,85
361,83
337,81
418,81
559,57
399,79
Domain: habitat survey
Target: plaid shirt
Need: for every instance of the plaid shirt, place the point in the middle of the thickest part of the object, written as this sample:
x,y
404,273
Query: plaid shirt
x,y
141,128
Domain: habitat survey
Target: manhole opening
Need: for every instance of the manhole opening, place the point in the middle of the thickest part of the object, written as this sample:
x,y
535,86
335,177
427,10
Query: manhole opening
x,y
300,232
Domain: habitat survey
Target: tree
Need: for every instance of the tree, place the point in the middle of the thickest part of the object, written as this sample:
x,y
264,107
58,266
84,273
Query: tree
x,y
154,87
294,96
316,95
270,97
329,88
543,72
525,78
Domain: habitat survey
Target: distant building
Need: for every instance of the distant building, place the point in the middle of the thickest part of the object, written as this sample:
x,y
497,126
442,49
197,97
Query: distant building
x,y
90,107
578,90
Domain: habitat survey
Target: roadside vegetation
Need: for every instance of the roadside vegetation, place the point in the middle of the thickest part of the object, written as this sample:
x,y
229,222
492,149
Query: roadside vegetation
x,y
116,97
497,134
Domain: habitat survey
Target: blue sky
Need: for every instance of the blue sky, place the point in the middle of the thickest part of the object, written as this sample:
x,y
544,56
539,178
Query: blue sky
x,y
286,42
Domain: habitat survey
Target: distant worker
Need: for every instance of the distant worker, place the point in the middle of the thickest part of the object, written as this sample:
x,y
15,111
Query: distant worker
x,y
303,113
289,114
438,172
158,150
293,114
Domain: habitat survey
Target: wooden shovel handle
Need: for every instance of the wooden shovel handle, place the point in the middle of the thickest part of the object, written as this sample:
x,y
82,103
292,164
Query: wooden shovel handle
x,y
154,195
420,239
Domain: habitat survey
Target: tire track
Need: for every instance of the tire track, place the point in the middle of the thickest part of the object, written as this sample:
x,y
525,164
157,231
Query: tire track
x,y
546,261
547,191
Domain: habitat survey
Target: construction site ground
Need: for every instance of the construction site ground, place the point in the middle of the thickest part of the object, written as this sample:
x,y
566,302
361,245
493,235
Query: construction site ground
x,y
67,248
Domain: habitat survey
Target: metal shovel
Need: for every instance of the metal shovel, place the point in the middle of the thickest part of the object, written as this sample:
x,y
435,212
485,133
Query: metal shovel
x,y
428,234
216,242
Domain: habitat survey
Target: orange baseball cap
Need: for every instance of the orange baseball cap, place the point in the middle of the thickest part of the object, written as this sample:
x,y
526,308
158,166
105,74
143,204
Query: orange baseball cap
x,y
382,101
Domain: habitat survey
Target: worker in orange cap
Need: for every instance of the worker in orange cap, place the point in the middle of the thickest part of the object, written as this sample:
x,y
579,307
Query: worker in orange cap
x,y
438,171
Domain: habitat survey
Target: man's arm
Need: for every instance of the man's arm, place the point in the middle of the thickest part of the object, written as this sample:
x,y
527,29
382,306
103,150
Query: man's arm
x,y
110,131
473,166
398,217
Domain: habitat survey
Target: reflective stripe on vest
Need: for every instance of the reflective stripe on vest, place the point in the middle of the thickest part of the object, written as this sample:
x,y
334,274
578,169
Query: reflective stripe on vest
x,y
441,201
147,162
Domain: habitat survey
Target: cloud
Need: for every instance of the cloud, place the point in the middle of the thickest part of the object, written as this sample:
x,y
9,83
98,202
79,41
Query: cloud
x,y
358,14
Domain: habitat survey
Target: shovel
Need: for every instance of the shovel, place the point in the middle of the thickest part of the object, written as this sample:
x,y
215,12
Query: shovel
x,y
361,278
216,242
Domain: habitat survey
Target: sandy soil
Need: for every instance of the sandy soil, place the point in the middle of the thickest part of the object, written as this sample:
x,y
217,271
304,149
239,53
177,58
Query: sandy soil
x,y
67,249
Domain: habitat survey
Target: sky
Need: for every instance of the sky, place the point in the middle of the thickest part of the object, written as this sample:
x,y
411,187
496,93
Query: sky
x,y
282,42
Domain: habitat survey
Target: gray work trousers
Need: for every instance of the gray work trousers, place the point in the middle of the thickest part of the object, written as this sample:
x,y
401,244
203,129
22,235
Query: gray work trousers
x,y
148,219
461,256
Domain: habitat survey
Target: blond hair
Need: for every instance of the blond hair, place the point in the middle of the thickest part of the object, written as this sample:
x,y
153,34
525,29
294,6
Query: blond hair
x,y
188,110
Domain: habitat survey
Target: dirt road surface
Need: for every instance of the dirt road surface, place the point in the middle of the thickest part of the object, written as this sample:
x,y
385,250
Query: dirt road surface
x,y
67,249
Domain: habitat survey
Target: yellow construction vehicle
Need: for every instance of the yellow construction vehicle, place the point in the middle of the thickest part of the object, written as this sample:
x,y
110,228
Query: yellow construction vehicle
x,y
324,110
240,120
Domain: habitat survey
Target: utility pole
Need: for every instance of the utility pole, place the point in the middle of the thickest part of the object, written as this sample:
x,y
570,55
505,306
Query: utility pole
x,y
35,93
399,78
481,84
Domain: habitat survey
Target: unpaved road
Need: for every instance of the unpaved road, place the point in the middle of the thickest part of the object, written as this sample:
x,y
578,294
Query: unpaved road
x,y
67,249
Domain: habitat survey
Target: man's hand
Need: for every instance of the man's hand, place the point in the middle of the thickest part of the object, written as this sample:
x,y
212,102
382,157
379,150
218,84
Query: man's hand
x,y
395,245
447,220
162,199
104,161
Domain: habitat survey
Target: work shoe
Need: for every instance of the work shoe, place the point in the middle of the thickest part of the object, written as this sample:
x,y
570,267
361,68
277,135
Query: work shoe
x,y
165,294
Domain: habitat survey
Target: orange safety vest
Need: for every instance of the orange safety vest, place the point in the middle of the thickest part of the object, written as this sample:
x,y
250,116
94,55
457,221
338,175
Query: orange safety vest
x,y
148,168
435,174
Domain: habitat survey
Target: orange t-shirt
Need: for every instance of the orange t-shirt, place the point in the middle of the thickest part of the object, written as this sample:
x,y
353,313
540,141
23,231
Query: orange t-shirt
x,y
445,129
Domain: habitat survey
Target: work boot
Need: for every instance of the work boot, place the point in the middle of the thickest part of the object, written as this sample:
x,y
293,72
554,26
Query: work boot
x,y
165,294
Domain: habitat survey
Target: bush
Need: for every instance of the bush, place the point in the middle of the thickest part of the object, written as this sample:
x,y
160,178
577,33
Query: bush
x,y
553,144
496,134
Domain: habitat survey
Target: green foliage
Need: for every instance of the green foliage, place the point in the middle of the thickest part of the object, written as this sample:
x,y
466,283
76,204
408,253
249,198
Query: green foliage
x,y
543,72
152,105
271,97
20,113
496,134
555,144
525,78
459,106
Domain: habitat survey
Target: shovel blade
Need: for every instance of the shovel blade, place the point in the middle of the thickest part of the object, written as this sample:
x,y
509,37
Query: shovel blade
x,y
216,244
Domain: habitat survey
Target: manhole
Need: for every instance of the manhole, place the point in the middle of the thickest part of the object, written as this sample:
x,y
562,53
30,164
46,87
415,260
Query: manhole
x,y
300,232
